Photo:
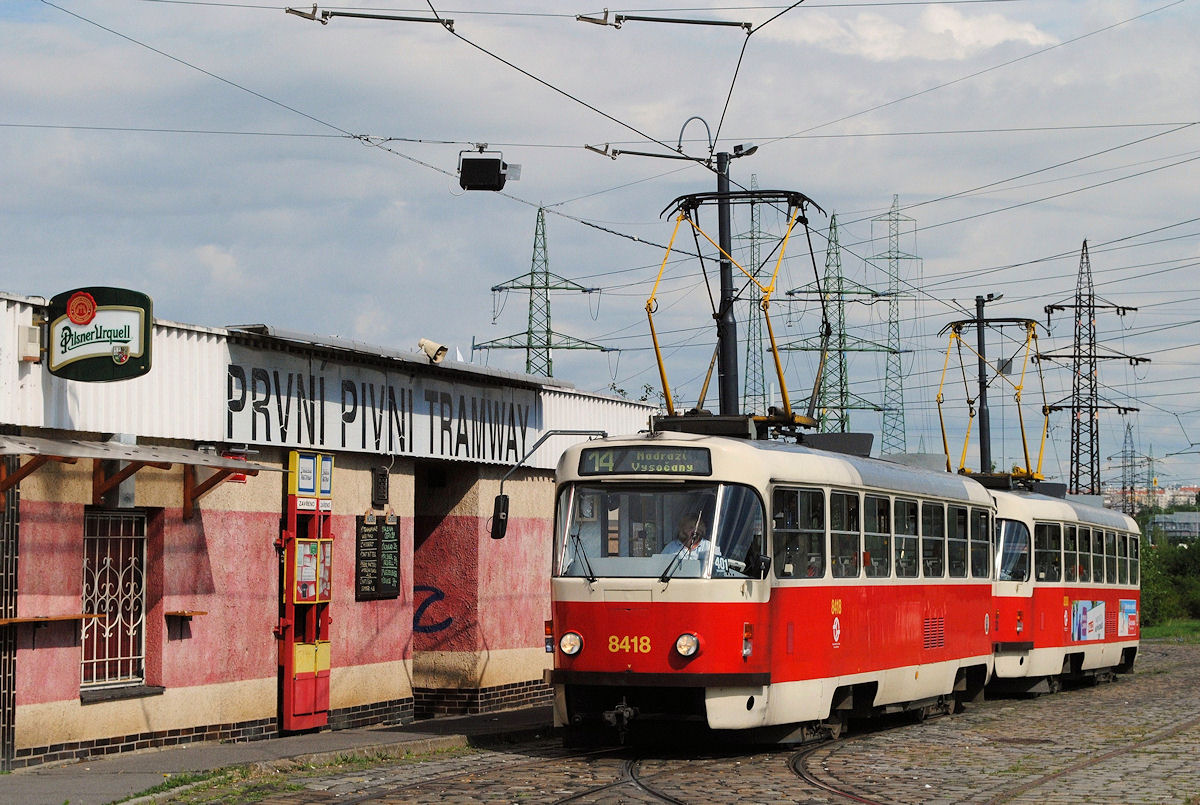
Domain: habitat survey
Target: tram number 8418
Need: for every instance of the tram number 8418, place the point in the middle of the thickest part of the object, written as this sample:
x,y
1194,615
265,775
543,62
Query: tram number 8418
x,y
629,644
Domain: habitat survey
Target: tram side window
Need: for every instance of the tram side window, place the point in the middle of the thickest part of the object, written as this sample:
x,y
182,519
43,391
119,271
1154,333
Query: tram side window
x,y
981,533
1098,557
1047,551
799,519
933,539
907,550
956,542
1133,558
877,539
1122,559
1110,557
1070,556
1085,554
844,534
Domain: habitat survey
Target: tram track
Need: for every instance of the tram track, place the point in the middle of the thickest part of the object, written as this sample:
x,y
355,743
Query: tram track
x,y
1028,786
383,790
798,764
630,775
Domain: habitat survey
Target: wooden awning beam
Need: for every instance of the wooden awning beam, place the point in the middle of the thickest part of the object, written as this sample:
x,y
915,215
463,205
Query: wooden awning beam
x,y
10,479
102,484
193,491
133,456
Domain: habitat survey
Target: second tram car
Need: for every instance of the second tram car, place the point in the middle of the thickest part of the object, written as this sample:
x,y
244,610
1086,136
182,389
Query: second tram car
x,y
753,584
1067,597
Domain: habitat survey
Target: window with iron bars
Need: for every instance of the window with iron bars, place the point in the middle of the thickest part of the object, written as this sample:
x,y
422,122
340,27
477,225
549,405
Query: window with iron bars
x,y
114,587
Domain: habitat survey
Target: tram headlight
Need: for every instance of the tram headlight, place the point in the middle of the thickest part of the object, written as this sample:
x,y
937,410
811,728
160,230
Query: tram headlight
x,y
570,643
687,644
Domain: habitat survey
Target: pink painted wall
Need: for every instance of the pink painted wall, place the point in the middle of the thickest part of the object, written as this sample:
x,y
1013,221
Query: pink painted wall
x,y
223,563
514,584
50,581
366,632
496,592
447,561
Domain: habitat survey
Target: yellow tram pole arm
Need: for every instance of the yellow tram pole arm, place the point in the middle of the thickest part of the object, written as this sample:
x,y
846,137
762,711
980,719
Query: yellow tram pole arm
x,y
1020,415
941,398
651,304
1045,406
962,462
708,377
787,405
766,304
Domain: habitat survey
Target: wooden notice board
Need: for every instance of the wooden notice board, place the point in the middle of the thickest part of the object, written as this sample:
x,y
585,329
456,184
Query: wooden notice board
x,y
376,558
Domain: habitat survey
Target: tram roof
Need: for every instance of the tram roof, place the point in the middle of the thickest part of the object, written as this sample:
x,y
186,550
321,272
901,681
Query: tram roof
x,y
767,461
1044,507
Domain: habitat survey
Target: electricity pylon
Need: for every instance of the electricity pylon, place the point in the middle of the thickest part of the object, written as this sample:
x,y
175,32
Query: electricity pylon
x,y
539,339
835,400
893,440
1085,401
754,388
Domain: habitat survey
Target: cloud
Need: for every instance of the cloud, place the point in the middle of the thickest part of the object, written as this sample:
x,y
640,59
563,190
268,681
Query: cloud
x,y
939,34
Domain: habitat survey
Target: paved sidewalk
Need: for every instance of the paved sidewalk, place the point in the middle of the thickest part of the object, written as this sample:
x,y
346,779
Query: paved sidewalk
x,y
119,777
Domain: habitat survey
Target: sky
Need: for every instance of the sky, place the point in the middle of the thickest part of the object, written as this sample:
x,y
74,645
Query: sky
x,y
243,165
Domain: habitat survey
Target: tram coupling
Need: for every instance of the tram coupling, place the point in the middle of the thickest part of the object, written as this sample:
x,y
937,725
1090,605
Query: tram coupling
x,y
620,717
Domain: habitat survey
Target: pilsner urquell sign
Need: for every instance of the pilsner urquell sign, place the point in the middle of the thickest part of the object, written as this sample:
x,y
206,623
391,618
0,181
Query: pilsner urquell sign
x,y
100,334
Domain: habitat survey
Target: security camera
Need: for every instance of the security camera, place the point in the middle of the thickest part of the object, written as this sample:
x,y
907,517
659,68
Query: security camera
x,y
435,352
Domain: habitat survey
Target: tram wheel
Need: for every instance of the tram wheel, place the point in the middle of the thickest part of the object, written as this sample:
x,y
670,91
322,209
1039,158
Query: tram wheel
x,y
837,725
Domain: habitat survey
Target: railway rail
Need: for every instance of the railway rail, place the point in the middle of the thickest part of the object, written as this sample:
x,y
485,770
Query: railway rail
x,y
1131,741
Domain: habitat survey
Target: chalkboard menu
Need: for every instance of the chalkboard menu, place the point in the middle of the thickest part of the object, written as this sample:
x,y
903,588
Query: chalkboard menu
x,y
376,559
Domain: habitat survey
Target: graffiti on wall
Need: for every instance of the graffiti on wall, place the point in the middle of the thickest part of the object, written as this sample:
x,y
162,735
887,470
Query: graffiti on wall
x,y
436,596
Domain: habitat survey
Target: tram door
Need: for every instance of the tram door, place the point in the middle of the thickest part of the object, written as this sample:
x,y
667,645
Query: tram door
x,y
1013,587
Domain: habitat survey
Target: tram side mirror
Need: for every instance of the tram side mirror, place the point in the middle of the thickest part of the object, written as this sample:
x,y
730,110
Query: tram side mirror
x,y
758,566
500,517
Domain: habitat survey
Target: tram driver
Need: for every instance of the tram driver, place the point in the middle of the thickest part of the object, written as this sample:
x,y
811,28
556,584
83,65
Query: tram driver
x,y
690,541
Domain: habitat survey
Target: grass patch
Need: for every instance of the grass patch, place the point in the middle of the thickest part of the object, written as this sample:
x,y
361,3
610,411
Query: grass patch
x,y
1181,630
224,787
173,781
244,784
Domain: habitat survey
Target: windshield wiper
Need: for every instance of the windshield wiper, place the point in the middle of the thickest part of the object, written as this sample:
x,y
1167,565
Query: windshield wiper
x,y
582,553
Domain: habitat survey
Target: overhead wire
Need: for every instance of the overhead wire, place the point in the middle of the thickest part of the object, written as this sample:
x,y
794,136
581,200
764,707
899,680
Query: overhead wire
x,y
348,134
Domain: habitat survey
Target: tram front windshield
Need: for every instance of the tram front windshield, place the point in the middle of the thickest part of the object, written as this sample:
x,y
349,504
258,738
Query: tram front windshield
x,y
1012,550
640,531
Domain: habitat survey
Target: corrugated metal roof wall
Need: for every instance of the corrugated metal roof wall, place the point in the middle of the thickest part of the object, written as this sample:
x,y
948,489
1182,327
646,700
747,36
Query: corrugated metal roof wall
x,y
184,395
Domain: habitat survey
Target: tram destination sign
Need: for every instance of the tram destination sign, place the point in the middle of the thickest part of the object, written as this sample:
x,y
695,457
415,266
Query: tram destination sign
x,y
645,461
100,334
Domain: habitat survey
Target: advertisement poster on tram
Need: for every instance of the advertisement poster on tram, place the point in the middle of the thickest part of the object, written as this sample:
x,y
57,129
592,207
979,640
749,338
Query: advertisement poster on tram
x,y
1127,618
1087,620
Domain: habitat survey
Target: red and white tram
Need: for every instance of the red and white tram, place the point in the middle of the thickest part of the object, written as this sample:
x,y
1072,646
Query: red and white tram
x,y
1066,591
816,585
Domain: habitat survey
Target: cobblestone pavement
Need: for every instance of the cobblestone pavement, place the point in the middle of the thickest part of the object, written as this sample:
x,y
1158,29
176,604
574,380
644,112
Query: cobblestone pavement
x,y
1133,741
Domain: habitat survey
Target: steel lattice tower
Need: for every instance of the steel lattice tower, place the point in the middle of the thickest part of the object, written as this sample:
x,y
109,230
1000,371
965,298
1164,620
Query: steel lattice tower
x,y
1085,439
893,440
1085,401
539,339
1128,476
754,389
834,399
